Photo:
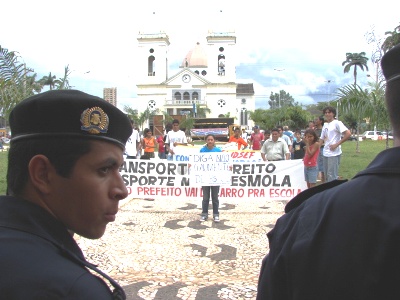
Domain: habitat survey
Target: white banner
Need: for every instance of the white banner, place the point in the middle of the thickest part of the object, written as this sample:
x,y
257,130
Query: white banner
x,y
159,178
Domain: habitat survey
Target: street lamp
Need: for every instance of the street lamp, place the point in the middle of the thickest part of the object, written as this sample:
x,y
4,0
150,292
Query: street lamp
x,y
279,99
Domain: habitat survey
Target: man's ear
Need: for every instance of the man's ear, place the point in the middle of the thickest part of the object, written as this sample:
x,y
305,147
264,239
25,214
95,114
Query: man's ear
x,y
41,171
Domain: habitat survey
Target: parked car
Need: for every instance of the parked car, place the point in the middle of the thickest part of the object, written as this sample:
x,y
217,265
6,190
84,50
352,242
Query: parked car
x,y
5,140
373,135
389,135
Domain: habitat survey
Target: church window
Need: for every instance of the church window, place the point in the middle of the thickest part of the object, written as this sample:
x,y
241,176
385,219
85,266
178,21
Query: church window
x,y
151,104
186,96
221,102
195,96
221,65
178,96
151,66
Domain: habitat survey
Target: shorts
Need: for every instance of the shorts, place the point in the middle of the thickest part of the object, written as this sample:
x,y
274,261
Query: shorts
x,y
311,174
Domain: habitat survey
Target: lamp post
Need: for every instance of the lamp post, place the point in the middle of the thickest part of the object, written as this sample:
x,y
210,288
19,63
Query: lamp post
x,y
279,92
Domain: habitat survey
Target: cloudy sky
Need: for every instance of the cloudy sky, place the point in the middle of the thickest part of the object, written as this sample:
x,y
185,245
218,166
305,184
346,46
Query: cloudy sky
x,y
307,40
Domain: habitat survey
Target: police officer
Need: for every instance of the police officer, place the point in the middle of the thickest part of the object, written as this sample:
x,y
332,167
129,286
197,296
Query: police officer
x,y
63,178
341,240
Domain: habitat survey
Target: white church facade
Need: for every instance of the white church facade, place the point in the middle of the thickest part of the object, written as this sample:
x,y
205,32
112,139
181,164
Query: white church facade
x,y
206,78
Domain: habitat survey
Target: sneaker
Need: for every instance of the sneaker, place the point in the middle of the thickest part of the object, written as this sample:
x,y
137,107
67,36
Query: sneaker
x,y
203,218
216,219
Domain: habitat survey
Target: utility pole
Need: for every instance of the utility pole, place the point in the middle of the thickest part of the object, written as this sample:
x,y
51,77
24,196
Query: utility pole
x,y
279,92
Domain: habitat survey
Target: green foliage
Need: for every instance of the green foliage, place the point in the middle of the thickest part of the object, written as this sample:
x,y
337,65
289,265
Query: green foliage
x,y
132,113
49,80
3,171
16,82
392,39
63,83
355,60
283,99
292,116
353,162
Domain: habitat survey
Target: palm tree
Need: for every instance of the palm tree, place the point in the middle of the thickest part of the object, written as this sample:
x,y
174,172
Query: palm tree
x,y
355,60
145,116
15,82
392,40
50,80
63,83
132,113
363,104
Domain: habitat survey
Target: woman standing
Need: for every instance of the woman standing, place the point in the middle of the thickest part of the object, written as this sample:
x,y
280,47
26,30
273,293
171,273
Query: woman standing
x,y
210,190
149,144
311,157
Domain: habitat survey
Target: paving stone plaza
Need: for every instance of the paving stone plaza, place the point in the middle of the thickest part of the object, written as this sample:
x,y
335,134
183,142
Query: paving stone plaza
x,y
160,250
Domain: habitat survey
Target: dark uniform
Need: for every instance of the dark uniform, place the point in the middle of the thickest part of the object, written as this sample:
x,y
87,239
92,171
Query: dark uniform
x,y
341,243
39,259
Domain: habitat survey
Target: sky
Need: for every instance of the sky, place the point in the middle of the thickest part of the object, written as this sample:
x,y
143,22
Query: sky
x,y
306,40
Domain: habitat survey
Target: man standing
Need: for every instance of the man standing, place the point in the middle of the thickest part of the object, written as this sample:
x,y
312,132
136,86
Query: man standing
x,y
332,132
236,138
341,240
319,123
63,178
133,143
286,138
174,137
245,135
256,138
275,148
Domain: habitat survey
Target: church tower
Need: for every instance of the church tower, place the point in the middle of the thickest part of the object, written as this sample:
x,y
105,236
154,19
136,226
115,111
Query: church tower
x,y
152,59
221,56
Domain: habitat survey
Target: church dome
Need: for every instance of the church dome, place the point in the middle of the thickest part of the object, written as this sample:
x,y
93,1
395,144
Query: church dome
x,y
196,58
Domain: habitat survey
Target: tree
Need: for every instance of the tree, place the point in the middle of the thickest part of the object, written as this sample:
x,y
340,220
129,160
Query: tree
x,y
356,60
365,104
132,113
281,100
202,111
188,122
49,80
63,83
145,116
16,83
293,116
392,40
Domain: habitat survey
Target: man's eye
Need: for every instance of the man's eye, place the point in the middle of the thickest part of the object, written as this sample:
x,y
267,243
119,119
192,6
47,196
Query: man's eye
x,y
104,170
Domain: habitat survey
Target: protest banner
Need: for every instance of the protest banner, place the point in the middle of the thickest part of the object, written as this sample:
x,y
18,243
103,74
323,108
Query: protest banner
x,y
278,180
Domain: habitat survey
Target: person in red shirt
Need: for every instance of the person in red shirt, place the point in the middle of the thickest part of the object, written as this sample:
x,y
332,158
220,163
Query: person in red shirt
x,y
256,138
161,147
236,138
311,156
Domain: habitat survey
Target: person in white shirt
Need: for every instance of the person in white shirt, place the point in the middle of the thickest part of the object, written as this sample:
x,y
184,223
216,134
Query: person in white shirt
x,y
174,137
285,138
133,143
275,148
332,136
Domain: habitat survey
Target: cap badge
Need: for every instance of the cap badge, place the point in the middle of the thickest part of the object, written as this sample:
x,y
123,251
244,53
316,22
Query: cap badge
x,y
94,120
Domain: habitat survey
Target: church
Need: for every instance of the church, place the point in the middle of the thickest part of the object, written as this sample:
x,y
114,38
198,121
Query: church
x,y
206,78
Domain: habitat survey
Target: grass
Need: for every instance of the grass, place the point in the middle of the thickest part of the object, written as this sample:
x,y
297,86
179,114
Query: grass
x,y
351,162
3,171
